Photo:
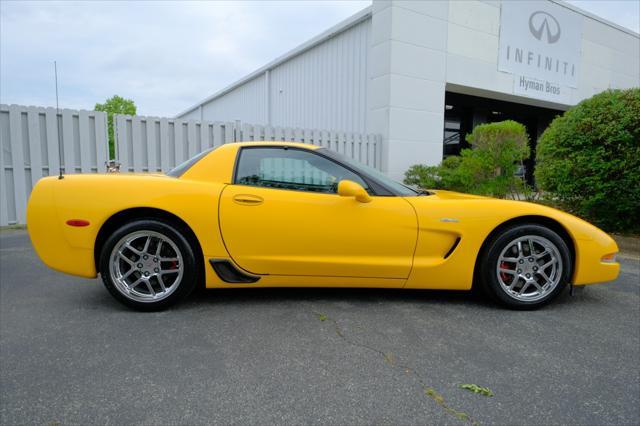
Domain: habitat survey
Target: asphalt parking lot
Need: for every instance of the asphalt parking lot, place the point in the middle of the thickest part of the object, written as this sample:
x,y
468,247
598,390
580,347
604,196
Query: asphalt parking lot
x,y
70,354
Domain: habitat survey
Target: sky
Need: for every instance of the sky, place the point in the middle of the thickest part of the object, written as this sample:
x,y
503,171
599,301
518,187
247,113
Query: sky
x,y
167,56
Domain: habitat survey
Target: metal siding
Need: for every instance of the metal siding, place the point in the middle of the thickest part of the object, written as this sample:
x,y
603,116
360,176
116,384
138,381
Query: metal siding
x,y
323,87
244,103
191,115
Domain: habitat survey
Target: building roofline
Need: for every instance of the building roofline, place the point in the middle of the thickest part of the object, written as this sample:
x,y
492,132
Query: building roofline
x,y
352,21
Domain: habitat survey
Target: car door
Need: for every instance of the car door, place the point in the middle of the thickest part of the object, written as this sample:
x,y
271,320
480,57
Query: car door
x,y
282,216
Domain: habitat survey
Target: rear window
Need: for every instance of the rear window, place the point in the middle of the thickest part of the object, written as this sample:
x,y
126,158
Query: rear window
x,y
180,169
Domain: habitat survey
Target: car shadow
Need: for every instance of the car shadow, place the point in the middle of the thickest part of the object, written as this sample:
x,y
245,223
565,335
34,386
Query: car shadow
x,y
349,295
355,296
367,296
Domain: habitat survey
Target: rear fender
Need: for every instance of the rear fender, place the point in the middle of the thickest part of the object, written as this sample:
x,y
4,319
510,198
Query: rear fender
x,y
96,198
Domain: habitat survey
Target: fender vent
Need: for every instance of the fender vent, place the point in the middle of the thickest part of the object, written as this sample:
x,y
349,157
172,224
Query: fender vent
x,y
229,273
453,247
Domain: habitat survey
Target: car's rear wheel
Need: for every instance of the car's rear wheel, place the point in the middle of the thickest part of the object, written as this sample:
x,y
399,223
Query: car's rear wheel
x,y
148,265
526,266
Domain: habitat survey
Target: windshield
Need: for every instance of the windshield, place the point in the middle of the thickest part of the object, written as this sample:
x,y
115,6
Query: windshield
x,y
397,187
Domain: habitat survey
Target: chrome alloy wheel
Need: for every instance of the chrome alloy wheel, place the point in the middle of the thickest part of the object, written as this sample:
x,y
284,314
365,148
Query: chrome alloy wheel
x,y
146,266
529,268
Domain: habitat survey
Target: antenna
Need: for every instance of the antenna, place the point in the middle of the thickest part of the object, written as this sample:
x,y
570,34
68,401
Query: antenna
x,y
55,70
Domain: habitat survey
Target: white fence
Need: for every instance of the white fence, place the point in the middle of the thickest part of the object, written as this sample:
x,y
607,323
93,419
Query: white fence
x,y
29,146
29,142
148,144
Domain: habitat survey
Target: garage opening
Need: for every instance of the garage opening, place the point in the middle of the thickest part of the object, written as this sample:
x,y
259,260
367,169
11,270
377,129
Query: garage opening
x,y
464,112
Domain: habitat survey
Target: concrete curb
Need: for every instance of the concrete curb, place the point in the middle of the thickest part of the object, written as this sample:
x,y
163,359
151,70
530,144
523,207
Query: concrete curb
x,y
13,228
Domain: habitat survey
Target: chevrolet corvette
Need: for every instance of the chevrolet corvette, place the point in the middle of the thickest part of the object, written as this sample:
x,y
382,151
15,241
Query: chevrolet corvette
x,y
277,214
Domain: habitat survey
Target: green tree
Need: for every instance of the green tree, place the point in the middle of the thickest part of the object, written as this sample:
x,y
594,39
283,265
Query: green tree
x,y
488,168
115,105
589,160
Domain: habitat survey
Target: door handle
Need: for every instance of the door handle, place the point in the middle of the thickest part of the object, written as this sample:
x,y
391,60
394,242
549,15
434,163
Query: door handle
x,y
248,200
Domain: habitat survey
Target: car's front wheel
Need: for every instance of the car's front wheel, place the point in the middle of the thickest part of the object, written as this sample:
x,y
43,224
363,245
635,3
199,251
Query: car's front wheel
x,y
148,265
526,266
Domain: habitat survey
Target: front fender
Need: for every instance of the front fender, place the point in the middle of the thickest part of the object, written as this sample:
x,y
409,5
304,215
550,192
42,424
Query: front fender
x,y
591,245
446,216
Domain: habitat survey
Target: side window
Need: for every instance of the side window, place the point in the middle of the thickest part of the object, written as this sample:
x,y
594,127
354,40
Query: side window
x,y
294,169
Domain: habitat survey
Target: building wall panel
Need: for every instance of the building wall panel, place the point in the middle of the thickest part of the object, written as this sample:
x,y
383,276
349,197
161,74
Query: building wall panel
x,y
475,15
245,103
324,87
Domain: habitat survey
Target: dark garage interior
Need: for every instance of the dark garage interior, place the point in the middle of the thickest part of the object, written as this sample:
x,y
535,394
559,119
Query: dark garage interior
x,y
464,112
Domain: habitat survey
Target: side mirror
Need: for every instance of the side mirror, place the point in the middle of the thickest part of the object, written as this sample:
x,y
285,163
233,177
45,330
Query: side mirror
x,y
349,188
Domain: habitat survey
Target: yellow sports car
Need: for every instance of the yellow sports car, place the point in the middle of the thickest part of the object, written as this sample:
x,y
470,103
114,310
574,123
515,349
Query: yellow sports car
x,y
277,214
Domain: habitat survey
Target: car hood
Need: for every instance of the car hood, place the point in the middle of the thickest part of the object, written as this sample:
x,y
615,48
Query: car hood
x,y
452,195
467,208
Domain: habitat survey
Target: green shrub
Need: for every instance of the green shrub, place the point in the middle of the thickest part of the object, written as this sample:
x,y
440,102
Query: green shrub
x,y
443,176
588,160
487,169
423,176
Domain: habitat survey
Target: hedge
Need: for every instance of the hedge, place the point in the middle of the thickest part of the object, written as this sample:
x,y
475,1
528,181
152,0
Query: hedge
x,y
588,160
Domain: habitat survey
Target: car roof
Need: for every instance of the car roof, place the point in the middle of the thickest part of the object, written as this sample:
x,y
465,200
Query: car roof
x,y
217,164
276,143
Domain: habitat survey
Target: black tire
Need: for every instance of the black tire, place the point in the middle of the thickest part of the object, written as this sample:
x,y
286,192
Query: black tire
x,y
172,233
488,277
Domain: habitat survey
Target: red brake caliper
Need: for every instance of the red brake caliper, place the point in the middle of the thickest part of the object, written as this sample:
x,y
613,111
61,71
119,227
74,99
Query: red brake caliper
x,y
503,265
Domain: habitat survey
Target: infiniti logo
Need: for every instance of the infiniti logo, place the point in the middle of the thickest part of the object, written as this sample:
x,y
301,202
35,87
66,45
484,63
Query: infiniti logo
x,y
543,24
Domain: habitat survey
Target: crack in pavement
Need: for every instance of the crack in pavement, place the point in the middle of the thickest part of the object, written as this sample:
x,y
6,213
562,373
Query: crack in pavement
x,y
390,359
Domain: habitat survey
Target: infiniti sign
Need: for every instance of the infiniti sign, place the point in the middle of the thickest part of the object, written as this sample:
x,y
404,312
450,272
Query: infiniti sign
x,y
541,41
540,24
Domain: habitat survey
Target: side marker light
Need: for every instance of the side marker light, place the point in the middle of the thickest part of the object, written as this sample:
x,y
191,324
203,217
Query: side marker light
x,y
78,222
608,258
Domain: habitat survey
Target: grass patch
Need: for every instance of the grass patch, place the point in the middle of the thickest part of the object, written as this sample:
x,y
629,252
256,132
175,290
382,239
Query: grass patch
x,y
477,389
13,228
439,399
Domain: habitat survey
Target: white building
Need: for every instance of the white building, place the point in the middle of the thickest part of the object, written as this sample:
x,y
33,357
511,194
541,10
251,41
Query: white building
x,y
423,73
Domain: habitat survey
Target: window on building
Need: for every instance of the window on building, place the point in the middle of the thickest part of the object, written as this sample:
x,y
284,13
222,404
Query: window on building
x,y
292,169
452,136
